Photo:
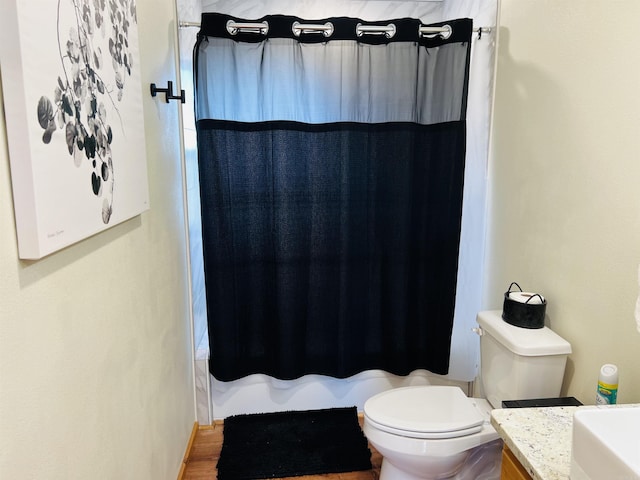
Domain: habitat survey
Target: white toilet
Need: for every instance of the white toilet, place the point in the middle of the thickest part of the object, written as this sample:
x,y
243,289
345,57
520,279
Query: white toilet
x,y
437,432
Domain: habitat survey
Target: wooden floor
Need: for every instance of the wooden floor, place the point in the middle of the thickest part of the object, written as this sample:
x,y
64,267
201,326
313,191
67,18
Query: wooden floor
x,y
205,451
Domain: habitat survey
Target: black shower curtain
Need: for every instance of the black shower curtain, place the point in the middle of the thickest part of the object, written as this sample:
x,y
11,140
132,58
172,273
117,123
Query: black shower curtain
x,y
331,176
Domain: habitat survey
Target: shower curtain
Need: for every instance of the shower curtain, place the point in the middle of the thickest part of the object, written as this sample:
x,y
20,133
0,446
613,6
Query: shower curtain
x,y
331,157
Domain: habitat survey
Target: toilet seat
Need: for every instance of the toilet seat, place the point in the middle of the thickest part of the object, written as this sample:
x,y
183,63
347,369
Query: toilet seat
x,y
429,412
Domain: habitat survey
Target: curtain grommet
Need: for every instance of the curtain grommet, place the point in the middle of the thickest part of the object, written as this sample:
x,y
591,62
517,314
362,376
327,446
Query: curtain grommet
x,y
326,29
444,32
234,28
387,30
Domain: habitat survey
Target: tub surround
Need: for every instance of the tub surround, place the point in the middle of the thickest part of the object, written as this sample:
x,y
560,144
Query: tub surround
x,y
539,438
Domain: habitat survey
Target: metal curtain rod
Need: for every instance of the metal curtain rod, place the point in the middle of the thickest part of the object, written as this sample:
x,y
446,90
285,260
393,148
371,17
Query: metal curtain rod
x,y
327,28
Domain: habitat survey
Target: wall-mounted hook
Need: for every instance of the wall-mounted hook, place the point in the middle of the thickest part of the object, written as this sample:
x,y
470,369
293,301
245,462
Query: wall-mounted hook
x,y
168,92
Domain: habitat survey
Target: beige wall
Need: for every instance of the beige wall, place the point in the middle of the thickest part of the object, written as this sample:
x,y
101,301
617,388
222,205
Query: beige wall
x,y
564,215
95,362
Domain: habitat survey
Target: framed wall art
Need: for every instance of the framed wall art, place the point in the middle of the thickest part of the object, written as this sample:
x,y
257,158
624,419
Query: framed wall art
x,y
73,108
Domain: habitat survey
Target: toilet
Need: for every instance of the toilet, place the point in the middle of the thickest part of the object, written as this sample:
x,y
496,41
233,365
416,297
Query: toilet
x,y
437,432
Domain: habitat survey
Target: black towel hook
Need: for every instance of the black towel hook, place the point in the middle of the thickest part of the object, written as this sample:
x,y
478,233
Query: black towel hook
x,y
168,92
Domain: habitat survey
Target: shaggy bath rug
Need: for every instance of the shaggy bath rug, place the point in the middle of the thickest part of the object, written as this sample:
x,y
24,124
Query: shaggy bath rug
x,y
288,444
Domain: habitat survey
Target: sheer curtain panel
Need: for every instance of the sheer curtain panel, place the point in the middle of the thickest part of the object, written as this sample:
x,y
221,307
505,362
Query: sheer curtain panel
x,y
331,157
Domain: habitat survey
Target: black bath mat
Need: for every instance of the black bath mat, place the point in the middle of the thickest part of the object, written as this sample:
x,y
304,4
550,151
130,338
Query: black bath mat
x,y
288,444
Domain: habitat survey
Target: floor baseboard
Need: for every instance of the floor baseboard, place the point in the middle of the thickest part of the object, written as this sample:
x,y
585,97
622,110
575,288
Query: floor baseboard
x,y
187,452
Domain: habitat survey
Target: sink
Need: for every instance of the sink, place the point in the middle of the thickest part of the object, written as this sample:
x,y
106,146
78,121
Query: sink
x,y
606,443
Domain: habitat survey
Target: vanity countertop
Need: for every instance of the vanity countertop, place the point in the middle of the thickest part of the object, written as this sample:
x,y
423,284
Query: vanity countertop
x,y
540,437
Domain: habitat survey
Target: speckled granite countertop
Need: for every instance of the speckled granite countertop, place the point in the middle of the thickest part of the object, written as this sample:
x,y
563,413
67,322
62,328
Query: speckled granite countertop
x,y
540,438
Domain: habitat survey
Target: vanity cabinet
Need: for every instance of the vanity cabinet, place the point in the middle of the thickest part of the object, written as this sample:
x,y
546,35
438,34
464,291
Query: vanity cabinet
x,y
512,469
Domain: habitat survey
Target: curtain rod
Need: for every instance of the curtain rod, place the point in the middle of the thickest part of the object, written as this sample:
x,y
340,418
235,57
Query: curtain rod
x,y
446,29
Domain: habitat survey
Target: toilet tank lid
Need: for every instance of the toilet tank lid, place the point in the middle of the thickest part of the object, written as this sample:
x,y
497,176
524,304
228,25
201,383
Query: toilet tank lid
x,y
529,342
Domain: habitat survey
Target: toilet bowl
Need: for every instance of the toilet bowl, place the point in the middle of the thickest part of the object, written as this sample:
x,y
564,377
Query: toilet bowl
x,y
430,432
437,432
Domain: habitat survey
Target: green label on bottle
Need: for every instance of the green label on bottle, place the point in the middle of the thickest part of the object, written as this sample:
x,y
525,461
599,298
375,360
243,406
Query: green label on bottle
x,y
607,394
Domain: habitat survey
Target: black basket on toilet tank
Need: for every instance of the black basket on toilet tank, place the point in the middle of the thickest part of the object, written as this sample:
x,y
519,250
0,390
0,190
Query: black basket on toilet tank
x,y
523,309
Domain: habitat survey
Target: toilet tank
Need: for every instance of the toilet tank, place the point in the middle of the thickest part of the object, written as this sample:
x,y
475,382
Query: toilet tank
x,y
519,363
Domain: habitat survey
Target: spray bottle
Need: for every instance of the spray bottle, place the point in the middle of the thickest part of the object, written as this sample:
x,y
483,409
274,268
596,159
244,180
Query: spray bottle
x,y
607,393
